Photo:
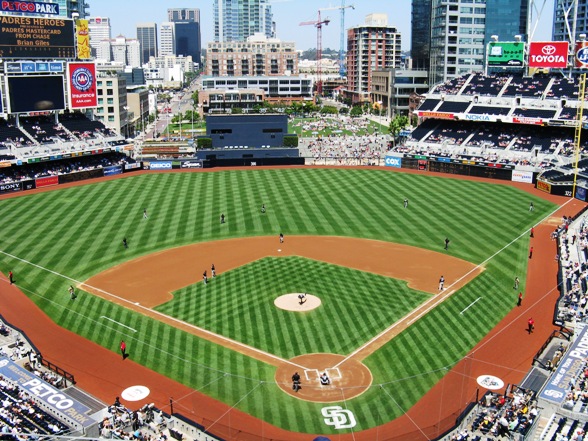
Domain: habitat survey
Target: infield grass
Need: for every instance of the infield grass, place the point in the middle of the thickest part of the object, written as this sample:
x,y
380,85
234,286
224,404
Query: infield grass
x,y
77,233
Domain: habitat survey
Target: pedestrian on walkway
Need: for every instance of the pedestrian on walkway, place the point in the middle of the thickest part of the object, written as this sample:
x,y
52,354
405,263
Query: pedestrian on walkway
x,y
532,231
531,253
123,349
520,301
10,277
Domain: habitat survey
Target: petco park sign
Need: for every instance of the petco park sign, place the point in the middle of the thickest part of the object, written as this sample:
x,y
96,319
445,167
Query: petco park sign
x,y
550,54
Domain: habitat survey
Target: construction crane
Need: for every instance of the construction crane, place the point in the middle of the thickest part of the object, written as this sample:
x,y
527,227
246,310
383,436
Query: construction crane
x,y
319,47
342,8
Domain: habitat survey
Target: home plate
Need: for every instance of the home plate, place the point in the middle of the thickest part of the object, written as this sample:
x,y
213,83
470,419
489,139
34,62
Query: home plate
x,y
135,393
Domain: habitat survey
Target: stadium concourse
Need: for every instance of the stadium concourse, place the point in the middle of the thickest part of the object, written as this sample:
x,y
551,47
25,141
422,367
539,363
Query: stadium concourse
x,y
508,348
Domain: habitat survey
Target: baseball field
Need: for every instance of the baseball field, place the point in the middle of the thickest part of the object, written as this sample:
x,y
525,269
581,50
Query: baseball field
x,y
383,330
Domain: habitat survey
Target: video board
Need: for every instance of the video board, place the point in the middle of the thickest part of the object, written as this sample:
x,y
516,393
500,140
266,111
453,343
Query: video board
x,y
35,93
32,37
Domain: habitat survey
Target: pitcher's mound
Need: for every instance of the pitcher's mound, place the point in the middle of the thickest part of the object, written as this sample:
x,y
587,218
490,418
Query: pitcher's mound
x,y
297,301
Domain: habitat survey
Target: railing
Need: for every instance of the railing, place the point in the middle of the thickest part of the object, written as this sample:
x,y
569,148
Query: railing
x,y
64,374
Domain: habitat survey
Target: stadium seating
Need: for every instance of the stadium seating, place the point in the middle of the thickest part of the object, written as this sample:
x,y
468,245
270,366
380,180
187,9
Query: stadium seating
x,y
489,110
532,87
483,85
562,88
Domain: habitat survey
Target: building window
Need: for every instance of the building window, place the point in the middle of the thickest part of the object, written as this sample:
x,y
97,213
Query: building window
x,y
109,83
109,92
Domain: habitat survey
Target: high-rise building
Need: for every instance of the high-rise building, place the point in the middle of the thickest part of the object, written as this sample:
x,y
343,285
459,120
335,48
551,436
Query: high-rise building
x,y
373,45
563,8
99,28
187,39
183,14
235,20
258,56
460,31
167,39
421,34
147,36
126,52
69,7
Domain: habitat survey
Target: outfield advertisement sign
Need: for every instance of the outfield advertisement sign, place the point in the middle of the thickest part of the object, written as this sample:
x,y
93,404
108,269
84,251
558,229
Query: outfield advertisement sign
x,y
581,55
82,85
114,170
567,370
46,182
580,193
393,161
437,115
544,186
522,176
50,396
506,53
10,188
548,54
160,165
526,120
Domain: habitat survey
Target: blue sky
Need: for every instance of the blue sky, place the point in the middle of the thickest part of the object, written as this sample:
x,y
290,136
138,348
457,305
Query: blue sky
x,y
125,14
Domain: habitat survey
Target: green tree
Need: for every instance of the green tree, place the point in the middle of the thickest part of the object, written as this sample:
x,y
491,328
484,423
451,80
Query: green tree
x,y
328,110
397,124
194,98
236,111
356,111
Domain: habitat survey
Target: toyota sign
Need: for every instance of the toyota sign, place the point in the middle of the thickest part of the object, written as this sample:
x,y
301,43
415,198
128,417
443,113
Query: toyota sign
x,y
550,54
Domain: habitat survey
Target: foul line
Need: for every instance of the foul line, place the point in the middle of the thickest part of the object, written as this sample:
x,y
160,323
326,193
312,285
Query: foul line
x,y
148,311
470,305
118,323
436,300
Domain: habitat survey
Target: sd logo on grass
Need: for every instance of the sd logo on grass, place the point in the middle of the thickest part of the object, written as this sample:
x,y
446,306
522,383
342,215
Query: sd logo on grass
x,y
338,417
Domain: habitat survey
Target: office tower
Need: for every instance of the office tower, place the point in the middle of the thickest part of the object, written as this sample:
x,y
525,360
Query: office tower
x,y
69,7
187,39
421,34
167,39
235,20
460,31
147,36
99,28
183,14
126,52
563,8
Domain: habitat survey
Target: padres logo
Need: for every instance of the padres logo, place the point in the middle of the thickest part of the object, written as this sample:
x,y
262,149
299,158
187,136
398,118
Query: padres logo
x,y
82,79
338,417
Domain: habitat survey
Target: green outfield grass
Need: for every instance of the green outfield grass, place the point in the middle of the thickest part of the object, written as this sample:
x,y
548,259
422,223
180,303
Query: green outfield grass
x,y
355,306
77,233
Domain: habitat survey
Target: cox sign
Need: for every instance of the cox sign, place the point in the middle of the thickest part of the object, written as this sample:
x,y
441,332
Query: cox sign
x,y
550,54
393,161
582,54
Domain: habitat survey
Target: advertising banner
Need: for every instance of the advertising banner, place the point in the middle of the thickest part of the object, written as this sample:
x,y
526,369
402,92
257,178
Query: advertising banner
x,y
42,391
581,55
393,161
525,120
438,115
544,186
82,85
506,53
83,40
46,182
133,166
567,370
29,7
522,176
548,54
36,37
580,193
114,170
160,165
10,188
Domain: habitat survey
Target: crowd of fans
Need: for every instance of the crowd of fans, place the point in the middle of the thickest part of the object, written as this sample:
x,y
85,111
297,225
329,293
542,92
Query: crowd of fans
x,y
55,168
345,150
145,424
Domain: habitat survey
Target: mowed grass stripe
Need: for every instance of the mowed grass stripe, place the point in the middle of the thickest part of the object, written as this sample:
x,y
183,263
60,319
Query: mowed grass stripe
x,y
471,213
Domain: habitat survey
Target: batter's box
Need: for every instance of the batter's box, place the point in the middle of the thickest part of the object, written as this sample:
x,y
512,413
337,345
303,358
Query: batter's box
x,y
314,374
333,373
